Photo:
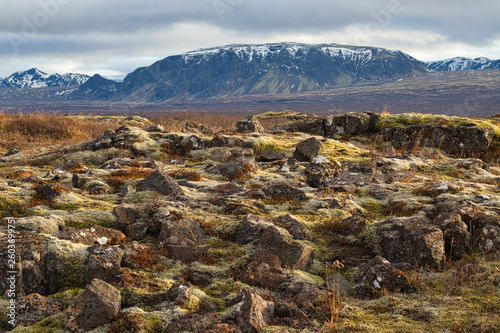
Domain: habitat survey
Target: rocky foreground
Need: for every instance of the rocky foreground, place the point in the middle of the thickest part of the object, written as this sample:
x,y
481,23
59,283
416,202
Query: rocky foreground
x,y
347,223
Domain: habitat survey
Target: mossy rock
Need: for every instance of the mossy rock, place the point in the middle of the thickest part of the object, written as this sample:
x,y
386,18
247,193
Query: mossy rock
x,y
10,204
85,219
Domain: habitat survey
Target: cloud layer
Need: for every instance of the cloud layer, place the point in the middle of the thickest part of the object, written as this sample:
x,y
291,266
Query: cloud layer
x,y
115,36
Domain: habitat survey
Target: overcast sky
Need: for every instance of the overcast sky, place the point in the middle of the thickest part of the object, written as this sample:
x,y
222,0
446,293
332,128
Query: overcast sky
x,y
114,37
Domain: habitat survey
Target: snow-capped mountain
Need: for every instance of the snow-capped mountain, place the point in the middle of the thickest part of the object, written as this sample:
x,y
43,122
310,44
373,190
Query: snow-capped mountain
x,y
462,64
236,70
35,78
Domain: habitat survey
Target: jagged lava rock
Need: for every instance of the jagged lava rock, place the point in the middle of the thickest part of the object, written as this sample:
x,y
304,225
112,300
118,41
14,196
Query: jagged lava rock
x,y
378,275
160,182
307,149
292,254
254,313
103,263
413,240
96,306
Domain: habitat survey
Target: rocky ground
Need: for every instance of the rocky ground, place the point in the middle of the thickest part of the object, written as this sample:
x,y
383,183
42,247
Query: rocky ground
x,y
348,223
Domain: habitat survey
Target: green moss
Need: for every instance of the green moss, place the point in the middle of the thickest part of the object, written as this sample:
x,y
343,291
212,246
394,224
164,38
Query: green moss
x,y
221,286
52,324
375,208
84,219
405,119
10,204
224,251
153,322
68,296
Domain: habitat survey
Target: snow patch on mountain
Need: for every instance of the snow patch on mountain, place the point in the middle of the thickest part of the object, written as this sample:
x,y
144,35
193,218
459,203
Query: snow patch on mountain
x,y
34,78
462,64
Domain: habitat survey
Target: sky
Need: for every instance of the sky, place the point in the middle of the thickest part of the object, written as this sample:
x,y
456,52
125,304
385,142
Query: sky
x,y
114,37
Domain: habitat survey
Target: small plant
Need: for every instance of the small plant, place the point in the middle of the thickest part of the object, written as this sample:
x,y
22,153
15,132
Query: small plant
x,y
334,299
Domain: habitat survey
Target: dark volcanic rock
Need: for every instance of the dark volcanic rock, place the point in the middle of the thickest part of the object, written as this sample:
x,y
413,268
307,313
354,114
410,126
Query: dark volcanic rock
x,y
254,313
180,294
97,305
104,236
249,125
264,270
33,308
161,182
251,228
291,254
294,226
194,127
268,155
319,170
455,140
103,263
284,192
307,149
337,284
378,275
412,240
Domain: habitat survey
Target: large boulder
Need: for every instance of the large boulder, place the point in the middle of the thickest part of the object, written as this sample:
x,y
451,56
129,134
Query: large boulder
x,y
160,182
307,149
292,254
183,239
98,305
254,313
412,240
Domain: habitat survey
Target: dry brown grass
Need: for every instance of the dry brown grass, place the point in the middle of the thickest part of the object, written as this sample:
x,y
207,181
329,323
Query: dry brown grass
x,y
35,130
175,121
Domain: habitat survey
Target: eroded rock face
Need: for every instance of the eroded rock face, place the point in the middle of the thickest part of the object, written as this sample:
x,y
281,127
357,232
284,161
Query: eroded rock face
x,y
452,140
294,226
412,240
183,240
97,305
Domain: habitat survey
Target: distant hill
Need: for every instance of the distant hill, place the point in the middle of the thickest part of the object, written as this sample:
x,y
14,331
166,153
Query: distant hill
x,y
238,70
462,63
34,78
96,87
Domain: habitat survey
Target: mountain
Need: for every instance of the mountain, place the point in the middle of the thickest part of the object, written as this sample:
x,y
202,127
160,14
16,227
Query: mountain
x,y
96,87
34,78
237,70
462,64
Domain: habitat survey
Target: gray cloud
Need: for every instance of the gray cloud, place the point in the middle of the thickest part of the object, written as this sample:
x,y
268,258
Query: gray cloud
x,y
96,32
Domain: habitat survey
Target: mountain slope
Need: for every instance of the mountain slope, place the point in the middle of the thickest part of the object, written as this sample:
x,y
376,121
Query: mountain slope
x,y
34,78
96,87
238,70
462,63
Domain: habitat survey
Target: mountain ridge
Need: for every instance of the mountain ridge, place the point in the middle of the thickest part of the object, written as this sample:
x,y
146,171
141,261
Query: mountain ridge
x,y
243,69
34,78
462,63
